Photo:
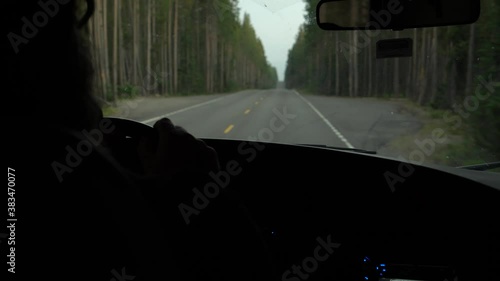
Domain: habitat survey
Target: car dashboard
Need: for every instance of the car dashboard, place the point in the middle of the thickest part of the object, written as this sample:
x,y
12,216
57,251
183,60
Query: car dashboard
x,y
383,219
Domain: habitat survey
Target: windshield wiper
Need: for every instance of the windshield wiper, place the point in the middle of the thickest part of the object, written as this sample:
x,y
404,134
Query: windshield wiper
x,y
482,167
342,148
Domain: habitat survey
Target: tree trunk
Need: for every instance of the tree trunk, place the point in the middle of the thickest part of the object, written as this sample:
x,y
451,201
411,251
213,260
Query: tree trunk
x,y
385,78
169,48
329,73
337,64
213,37
395,86
148,46
136,40
207,55
414,80
222,69
409,81
422,73
452,88
434,65
351,67
470,60
176,45
115,50
356,65
370,70
122,65
105,49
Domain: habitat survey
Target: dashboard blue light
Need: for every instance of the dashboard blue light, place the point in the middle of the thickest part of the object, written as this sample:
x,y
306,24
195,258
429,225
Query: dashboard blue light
x,y
382,264
383,269
366,277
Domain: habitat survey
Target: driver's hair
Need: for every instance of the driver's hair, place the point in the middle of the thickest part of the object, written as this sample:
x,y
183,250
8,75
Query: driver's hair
x,y
47,66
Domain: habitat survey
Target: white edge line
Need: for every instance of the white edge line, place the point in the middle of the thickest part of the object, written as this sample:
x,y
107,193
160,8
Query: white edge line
x,y
152,120
335,131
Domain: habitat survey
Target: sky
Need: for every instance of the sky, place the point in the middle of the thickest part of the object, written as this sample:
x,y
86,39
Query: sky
x,y
276,23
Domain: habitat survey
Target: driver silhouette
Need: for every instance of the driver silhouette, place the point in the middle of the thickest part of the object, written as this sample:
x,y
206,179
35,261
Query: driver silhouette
x,y
84,213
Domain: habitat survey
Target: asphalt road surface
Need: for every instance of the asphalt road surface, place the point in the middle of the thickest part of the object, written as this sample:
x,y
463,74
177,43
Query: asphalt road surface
x,y
280,115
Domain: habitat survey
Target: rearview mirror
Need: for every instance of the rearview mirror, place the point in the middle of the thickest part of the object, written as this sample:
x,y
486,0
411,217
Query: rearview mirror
x,y
394,14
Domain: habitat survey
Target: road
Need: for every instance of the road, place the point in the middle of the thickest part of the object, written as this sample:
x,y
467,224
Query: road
x,y
280,115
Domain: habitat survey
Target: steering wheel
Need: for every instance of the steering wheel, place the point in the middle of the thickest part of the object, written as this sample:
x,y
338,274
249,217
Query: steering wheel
x,y
124,138
217,228
131,128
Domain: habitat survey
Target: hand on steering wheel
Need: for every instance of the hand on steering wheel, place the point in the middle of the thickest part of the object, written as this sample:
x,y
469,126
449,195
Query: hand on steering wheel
x,y
175,151
163,151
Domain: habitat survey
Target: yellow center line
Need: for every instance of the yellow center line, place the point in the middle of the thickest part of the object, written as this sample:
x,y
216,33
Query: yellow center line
x,y
256,102
228,129
261,98
247,111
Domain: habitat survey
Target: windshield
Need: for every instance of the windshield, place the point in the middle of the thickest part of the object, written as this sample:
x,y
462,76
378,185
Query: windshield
x,y
263,70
